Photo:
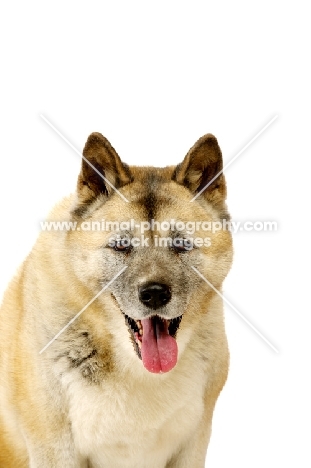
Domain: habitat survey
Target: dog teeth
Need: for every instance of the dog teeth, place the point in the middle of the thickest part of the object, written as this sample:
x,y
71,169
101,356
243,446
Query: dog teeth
x,y
140,327
139,343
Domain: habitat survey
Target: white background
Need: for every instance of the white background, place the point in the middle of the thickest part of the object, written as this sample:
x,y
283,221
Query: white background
x,y
153,77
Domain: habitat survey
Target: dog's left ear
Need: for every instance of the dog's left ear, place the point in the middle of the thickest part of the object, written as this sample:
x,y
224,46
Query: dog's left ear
x,y
201,165
102,171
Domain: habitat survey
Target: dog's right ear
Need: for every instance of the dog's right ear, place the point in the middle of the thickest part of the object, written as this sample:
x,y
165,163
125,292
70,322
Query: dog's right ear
x,y
101,173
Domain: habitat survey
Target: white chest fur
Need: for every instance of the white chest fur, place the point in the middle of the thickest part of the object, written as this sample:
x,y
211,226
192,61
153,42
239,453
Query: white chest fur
x,y
135,421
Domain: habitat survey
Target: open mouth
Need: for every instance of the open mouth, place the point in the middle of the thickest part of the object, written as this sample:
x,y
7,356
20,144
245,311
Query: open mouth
x,y
154,341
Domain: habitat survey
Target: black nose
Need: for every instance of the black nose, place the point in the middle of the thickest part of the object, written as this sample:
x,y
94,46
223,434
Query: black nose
x,y
154,295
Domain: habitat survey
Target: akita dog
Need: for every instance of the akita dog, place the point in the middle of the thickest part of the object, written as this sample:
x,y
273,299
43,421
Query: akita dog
x,y
113,350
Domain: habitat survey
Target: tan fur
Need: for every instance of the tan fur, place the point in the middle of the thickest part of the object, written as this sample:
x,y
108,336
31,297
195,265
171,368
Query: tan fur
x,y
87,401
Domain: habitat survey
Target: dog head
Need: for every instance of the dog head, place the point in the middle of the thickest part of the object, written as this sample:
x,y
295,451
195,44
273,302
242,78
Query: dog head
x,y
145,222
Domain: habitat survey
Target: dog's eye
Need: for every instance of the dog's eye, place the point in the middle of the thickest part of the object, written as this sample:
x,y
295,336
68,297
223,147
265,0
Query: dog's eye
x,y
122,245
182,245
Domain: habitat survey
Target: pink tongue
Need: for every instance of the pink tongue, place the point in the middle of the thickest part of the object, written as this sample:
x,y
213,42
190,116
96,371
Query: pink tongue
x,y
159,349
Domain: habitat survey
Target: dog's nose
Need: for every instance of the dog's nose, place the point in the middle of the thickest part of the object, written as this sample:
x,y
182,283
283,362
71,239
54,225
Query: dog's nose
x,y
154,295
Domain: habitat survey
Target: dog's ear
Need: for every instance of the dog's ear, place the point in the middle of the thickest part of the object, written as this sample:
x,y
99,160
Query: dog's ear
x,y
101,173
202,166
